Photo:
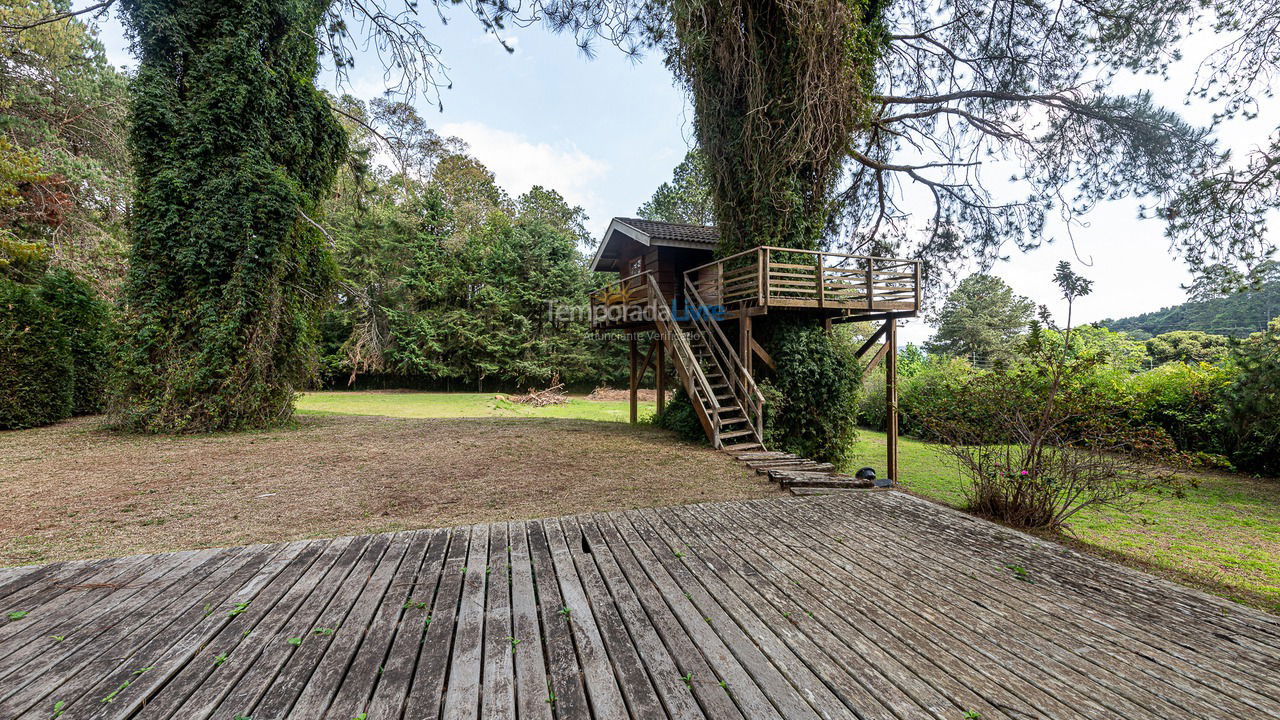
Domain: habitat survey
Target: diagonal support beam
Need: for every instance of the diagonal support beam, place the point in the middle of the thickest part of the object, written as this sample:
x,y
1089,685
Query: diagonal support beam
x,y
764,356
880,355
875,338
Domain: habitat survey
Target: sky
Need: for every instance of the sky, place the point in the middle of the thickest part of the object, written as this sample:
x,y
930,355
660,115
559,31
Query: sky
x,y
606,131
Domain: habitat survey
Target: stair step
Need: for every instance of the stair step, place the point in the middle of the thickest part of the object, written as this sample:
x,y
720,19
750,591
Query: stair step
x,y
746,447
816,479
824,490
806,466
737,433
761,455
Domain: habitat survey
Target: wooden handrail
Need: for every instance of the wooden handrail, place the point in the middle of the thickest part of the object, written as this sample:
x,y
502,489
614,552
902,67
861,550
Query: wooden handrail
x,y
809,279
663,314
718,261
743,385
621,281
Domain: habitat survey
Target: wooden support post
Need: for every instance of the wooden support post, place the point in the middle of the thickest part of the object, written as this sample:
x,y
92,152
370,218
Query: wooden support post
x,y
762,276
765,290
661,370
822,283
891,396
635,379
744,342
871,283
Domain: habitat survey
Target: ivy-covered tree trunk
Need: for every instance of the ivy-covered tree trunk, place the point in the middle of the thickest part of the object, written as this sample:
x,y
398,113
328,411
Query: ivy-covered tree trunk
x,y
779,91
234,148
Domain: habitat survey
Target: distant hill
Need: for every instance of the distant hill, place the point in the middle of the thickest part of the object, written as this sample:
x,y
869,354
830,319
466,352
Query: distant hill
x,y
1234,315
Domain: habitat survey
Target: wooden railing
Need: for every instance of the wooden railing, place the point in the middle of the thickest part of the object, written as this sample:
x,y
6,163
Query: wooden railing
x,y
629,295
701,394
741,384
782,277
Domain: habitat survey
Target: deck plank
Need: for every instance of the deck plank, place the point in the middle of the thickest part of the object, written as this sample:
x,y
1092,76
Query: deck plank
x,y
293,683
1059,634
566,695
275,647
742,687
462,696
227,677
232,638
624,665
347,636
874,606
368,666
402,659
642,647
498,694
868,600
684,566
714,699
74,644
60,601
530,661
137,676
426,692
71,680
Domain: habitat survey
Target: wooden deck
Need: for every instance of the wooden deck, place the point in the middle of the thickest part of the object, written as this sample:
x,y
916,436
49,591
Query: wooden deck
x,y
870,605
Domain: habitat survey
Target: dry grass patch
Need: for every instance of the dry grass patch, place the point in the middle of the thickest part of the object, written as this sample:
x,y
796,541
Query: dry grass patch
x,y
75,491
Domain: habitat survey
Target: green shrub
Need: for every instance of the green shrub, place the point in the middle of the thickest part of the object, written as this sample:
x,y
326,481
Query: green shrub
x,y
679,417
36,372
872,412
85,320
1185,401
812,398
1052,435
1251,404
932,392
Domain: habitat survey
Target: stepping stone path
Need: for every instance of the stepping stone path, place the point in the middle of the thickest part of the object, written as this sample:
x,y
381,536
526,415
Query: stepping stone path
x,y
800,475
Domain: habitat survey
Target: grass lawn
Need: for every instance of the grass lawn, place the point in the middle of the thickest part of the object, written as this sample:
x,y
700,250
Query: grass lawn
x,y
74,490
1224,536
459,405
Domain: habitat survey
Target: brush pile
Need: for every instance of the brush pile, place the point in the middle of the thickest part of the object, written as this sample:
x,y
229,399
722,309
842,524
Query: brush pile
x,y
554,395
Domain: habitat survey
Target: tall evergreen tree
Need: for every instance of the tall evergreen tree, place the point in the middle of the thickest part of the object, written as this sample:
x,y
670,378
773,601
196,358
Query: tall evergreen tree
x,y
686,198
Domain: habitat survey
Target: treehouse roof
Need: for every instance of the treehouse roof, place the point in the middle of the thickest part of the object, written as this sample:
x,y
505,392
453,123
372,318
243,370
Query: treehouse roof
x,y
624,232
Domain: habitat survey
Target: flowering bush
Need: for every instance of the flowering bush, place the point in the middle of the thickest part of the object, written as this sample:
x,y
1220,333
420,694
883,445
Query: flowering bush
x,y
1049,442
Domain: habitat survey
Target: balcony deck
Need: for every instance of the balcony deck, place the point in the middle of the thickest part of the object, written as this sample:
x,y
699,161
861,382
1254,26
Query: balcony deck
x,y
771,277
765,278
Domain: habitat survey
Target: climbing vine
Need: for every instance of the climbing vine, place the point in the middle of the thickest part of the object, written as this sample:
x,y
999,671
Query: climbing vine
x,y
779,90
233,148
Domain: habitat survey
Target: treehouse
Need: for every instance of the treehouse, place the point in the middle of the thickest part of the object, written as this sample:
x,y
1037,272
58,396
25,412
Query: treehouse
x,y
698,309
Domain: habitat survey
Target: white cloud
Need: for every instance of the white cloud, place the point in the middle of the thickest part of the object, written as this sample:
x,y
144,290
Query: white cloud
x,y
519,163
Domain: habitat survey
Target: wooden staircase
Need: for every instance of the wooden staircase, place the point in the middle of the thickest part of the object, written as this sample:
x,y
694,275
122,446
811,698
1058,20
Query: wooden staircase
x,y
725,397
727,401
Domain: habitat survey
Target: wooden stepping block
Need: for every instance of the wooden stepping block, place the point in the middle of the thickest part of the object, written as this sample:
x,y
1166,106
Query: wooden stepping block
x,y
797,467
796,490
755,456
816,479
779,462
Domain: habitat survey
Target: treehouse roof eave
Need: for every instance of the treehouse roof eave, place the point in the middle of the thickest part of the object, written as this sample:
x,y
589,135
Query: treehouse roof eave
x,y
649,233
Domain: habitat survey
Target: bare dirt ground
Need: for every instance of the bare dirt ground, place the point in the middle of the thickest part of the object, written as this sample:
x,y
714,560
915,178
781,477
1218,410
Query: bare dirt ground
x,y
74,491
